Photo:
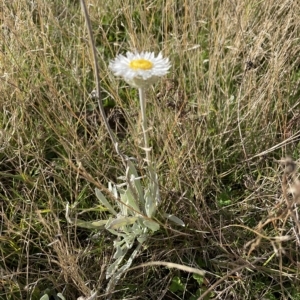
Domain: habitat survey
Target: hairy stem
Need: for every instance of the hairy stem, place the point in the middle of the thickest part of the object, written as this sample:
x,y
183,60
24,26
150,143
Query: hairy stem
x,y
144,125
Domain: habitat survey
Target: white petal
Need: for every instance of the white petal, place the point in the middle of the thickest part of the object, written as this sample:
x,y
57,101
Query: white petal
x,y
120,66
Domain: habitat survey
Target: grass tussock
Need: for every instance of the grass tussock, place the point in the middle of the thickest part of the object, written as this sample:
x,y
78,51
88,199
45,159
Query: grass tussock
x,y
220,124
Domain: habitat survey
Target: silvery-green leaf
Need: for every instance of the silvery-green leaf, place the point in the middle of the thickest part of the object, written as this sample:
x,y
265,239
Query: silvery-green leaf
x,y
128,263
121,221
117,233
175,219
150,205
123,207
130,200
90,225
112,231
59,295
45,297
112,188
154,187
142,239
118,253
118,243
129,240
103,200
151,224
131,169
113,267
136,228
135,180
136,184
116,274
130,259
95,208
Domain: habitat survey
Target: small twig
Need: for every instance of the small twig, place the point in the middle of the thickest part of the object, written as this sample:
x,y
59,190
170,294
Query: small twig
x,y
171,265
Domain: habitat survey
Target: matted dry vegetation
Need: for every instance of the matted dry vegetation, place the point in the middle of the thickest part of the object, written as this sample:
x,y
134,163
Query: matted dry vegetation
x,y
228,111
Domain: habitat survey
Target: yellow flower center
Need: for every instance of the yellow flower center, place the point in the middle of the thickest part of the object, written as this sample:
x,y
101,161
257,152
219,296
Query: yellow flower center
x,y
141,64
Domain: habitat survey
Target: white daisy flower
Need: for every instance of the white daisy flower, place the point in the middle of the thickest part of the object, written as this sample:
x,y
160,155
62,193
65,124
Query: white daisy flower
x,y
140,69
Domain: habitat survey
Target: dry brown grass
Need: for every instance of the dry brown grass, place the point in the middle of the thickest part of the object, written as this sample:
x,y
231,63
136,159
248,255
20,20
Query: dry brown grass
x,y
233,93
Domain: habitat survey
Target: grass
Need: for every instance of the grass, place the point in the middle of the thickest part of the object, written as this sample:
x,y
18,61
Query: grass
x,y
227,111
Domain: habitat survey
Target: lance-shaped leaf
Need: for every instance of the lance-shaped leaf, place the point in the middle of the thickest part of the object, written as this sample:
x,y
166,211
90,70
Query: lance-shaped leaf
x,y
129,240
135,181
136,228
174,219
142,239
150,203
60,296
113,189
121,222
113,267
154,187
115,276
90,225
122,204
119,252
129,199
103,200
151,224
